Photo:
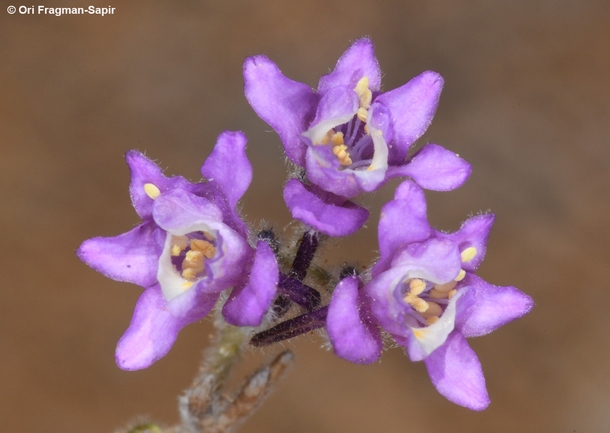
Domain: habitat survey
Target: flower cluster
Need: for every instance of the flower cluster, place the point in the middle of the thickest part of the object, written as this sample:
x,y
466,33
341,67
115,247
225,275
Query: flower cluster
x,y
347,138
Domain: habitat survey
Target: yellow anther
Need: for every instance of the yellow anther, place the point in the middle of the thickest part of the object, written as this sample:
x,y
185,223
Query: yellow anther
x,y
204,247
416,286
445,287
433,310
461,275
365,96
362,113
179,243
432,320
468,254
452,293
339,148
192,264
151,190
342,155
189,274
437,294
209,236
337,138
187,284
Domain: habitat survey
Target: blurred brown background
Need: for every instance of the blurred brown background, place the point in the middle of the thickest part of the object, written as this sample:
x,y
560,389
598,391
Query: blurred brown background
x,y
526,101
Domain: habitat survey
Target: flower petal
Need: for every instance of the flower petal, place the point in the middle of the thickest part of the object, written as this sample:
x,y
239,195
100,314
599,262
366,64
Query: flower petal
x,y
330,219
177,210
353,335
130,257
288,106
356,62
436,260
248,304
335,108
144,171
474,232
154,329
228,166
402,221
412,106
456,373
434,167
493,307
421,342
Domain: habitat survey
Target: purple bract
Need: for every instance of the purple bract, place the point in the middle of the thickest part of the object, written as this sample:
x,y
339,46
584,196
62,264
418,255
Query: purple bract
x,y
190,246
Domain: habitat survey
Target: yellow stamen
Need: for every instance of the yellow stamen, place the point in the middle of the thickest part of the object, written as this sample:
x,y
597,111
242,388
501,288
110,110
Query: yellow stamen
x,y
189,274
416,286
342,155
192,264
187,284
209,236
468,254
362,113
179,243
365,95
433,310
437,294
151,190
446,287
204,247
452,293
432,320
337,138
461,275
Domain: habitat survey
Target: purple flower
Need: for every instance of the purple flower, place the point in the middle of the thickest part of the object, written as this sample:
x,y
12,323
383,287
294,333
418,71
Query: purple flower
x,y
190,246
349,136
424,293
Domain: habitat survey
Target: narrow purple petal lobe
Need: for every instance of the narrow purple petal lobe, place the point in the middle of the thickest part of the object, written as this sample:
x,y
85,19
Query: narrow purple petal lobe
x,y
494,306
228,166
288,106
247,305
436,168
153,330
330,219
130,257
456,373
349,326
412,106
356,62
402,221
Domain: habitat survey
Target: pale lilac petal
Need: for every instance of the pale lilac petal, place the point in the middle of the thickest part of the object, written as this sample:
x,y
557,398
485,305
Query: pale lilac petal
x,y
130,257
323,169
349,326
402,221
247,305
473,233
422,341
328,218
356,62
389,313
286,105
434,167
154,329
228,166
335,108
412,105
177,209
456,373
436,260
493,306
144,171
